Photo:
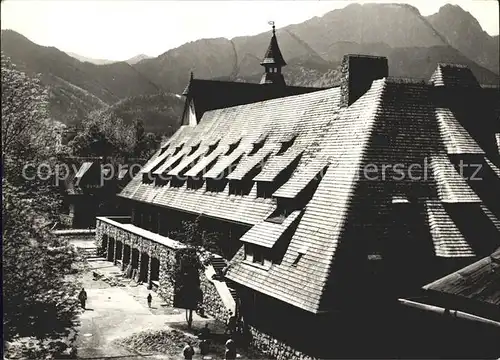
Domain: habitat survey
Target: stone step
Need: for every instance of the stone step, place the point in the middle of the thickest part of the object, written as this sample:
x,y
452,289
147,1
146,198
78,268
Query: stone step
x,y
88,252
233,293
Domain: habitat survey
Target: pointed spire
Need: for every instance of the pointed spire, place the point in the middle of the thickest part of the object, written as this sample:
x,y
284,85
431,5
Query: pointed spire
x,y
273,54
273,62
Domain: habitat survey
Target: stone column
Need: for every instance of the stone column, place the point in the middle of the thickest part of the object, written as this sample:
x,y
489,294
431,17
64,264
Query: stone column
x,y
114,251
108,248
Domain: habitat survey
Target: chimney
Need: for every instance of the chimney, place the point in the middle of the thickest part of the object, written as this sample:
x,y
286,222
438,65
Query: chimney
x,y
358,73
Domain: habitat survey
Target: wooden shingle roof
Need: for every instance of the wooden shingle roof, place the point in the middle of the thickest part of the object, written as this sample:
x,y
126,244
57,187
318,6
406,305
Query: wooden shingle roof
x,y
250,162
266,233
453,75
451,186
447,238
301,179
394,122
456,139
479,281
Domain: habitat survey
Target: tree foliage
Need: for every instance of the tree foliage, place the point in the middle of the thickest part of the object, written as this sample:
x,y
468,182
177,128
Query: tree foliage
x,y
106,135
184,271
37,300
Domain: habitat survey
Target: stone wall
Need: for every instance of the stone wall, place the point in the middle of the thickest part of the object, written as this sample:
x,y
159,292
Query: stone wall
x,y
277,349
75,234
163,253
212,303
357,75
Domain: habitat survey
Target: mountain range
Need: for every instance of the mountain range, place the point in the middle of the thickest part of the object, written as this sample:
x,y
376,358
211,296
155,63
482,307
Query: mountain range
x,y
414,44
133,60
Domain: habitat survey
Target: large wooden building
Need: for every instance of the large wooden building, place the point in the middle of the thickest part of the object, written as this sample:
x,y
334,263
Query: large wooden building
x,y
331,204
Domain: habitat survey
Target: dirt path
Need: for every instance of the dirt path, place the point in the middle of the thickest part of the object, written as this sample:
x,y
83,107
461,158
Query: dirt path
x,y
118,312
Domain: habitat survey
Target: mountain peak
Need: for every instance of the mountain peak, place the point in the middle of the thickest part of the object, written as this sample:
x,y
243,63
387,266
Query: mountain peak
x,y
449,11
137,58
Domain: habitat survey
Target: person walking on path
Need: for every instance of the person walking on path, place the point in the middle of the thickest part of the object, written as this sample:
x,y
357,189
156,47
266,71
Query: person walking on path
x,y
188,352
204,336
82,296
231,324
150,298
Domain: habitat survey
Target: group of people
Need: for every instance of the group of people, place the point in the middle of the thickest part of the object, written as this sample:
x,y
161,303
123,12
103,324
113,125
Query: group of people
x,y
82,297
204,335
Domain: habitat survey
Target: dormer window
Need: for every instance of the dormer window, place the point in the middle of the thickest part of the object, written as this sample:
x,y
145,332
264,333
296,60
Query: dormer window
x,y
232,147
265,189
163,149
212,147
285,145
194,183
284,208
193,149
258,255
177,149
240,187
259,144
216,185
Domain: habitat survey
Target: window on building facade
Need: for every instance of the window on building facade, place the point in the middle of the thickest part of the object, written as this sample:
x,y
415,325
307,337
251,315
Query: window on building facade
x,y
194,184
264,189
258,255
248,252
240,187
216,185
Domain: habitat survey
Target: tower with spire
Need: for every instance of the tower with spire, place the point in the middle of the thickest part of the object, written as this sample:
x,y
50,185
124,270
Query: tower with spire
x,y
273,62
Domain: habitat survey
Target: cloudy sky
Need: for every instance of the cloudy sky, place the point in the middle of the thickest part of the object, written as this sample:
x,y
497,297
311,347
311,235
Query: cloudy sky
x,y
120,29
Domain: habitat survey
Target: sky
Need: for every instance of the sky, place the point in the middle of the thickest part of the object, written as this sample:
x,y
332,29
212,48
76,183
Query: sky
x,y
121,29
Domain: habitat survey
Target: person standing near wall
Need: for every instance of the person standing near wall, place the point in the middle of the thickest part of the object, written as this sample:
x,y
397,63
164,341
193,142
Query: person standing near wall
x,y
188,352
230,353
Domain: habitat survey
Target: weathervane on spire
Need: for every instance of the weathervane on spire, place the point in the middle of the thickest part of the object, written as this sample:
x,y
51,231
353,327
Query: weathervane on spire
x,y
274,28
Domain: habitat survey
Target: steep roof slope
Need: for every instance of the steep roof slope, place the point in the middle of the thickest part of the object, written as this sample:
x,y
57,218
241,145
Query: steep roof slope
x,y
397,121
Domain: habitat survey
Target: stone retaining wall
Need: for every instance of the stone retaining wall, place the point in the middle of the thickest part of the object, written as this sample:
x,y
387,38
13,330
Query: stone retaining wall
x,y
275,348
212,303
75,234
